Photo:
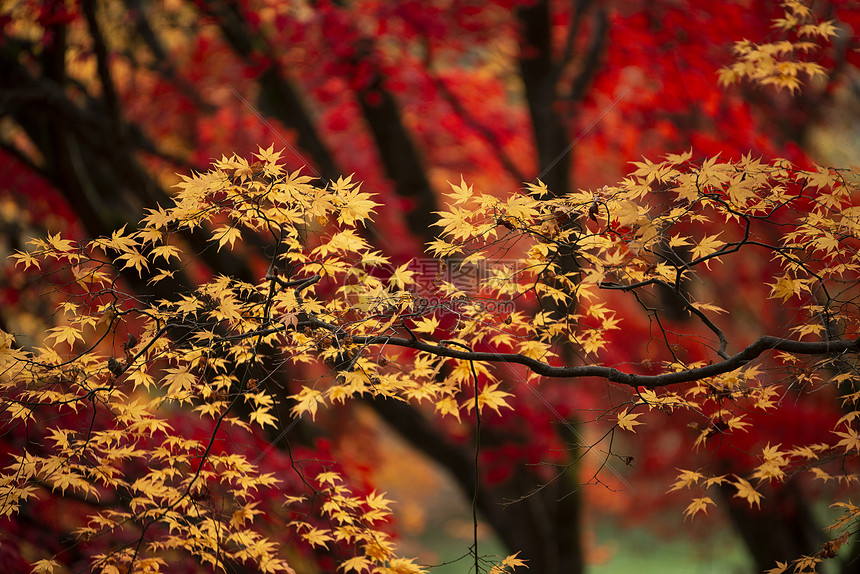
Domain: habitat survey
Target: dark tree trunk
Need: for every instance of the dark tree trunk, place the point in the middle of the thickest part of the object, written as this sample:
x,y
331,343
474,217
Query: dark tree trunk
x,y
781,530
541,523
540,75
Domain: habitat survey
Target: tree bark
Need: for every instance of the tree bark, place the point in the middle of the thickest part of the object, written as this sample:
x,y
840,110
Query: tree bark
x,y
783,529
543,524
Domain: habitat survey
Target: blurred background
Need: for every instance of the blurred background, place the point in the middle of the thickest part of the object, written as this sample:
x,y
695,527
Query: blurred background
x,y
103,103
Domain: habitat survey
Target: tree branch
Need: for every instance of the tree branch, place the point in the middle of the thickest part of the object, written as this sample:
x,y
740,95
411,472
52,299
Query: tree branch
x,y
103,67
760,346
278,97
163,63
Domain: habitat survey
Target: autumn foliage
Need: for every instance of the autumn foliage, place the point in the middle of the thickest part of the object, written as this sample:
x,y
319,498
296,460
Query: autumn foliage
x,y
320,311
180,402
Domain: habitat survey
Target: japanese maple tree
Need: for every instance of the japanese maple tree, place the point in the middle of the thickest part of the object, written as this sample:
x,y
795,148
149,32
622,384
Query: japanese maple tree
x,y
320,310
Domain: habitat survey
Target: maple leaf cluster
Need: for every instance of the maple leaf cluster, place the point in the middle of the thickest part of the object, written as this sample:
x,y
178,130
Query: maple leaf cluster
x,y
322,308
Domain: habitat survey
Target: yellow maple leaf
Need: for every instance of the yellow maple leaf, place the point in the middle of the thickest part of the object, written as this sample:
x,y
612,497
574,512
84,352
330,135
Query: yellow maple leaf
x,y
377,501
120,241
806,564
268,155
136,259
347,241
213,409
521,208
455,222
808,329
244,514
848,417
61,245
316,537
850,439
508,564
66,333
678,241
26,258
680,158
747,491
705,307
686,479
698,505
357,206
707,246
328,477
442,248
179,382
820,474
357,564
628,421
426,325
786,287
226,234
538,189
402,277
715,480
157,218
460,193
804,451
448,406
44,566
491,397
262,417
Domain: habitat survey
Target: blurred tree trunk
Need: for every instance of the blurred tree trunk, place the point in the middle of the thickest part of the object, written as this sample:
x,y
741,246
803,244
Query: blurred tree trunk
x,y
542,523
781,530
90,155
